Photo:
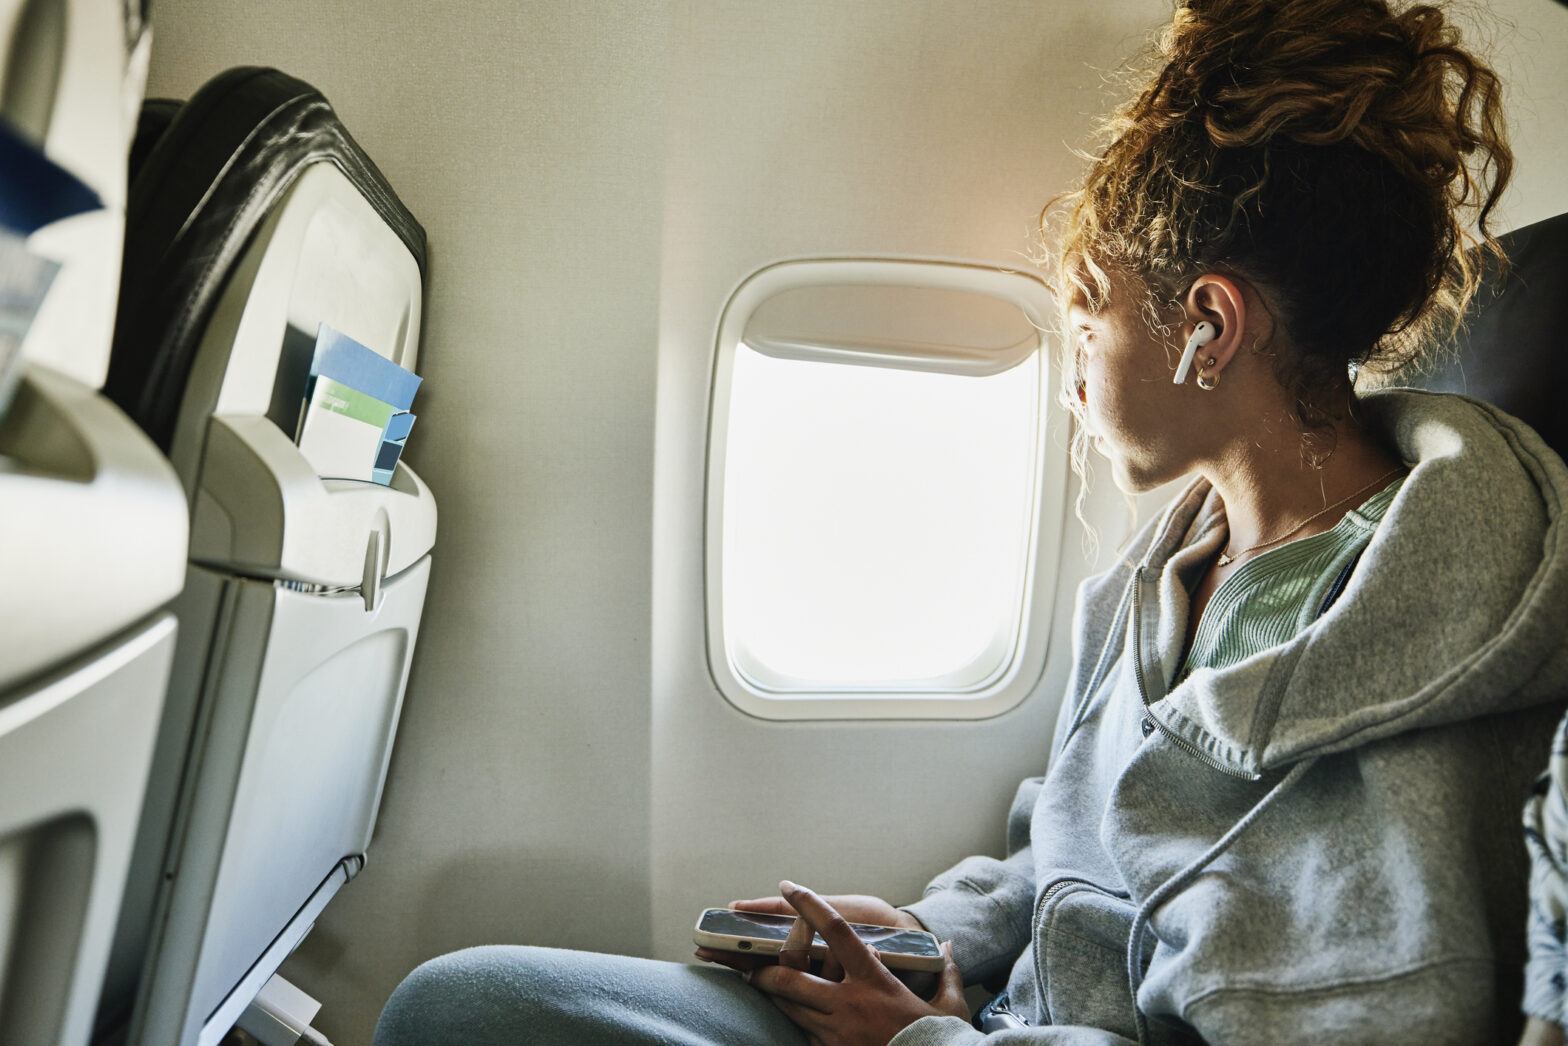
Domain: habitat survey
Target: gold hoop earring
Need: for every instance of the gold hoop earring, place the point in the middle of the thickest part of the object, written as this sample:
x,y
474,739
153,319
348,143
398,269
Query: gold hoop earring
x,y
1207,383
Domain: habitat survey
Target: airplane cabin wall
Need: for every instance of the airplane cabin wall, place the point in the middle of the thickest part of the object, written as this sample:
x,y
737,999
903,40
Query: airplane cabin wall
x,y
865,130
595,178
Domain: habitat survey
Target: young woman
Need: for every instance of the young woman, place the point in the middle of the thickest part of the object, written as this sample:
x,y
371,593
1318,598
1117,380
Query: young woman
x,y
1281,805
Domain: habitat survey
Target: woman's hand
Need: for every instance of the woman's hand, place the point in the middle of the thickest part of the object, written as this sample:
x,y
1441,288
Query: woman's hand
x,y
866,1005
855,907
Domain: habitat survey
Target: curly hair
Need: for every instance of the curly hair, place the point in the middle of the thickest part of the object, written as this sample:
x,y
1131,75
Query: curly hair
x,y
1333,153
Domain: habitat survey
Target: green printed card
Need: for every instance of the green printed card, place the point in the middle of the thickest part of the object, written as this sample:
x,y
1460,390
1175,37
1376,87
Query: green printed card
x,y
342,431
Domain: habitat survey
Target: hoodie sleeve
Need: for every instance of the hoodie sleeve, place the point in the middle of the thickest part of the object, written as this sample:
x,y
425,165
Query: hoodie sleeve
x,y
982,904
1546,838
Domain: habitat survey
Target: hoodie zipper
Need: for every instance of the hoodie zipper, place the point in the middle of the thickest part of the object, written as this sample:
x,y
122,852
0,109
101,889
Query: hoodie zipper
x,y
1136,624
1039,933
1038,936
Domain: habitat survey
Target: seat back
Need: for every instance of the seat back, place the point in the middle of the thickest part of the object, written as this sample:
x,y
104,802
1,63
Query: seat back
x,y
208,174
1510,352
92,520
254,220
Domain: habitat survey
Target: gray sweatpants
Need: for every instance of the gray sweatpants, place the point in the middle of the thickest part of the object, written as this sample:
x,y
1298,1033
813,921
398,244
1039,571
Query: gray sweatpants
x,y
513,995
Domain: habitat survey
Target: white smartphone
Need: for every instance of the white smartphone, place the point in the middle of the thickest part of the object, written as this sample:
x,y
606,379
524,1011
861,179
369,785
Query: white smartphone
x,y
729,930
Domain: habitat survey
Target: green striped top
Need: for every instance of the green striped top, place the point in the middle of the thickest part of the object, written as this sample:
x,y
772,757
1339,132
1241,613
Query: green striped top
x,y
1274,596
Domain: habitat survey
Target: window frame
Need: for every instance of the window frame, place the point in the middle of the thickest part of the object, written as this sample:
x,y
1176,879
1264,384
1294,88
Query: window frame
x,y
1004,689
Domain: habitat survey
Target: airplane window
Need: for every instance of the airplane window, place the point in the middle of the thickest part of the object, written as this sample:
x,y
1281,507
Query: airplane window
x,y
876,522
875,507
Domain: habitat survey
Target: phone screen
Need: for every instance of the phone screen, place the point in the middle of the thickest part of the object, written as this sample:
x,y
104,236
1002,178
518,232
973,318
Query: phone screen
x,y
889,939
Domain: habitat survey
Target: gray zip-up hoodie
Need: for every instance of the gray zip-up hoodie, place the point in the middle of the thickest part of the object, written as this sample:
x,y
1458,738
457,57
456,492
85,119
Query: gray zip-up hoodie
x,y
1319,843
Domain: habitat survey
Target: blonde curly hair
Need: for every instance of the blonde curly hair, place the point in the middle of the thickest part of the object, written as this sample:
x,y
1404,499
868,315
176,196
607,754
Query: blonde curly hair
x,y
1333,153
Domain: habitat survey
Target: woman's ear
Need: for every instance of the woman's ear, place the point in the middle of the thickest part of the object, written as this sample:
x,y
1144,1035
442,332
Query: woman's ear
x,y
1218,301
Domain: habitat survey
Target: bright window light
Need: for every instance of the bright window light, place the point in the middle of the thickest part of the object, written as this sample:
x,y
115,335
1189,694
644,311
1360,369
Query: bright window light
x,y
877,523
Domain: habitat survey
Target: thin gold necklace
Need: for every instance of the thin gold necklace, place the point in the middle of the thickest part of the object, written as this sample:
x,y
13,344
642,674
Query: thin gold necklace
x,y
1227,558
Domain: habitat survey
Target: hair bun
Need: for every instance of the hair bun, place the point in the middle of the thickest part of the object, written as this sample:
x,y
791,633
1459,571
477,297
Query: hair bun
x,y
1318,72
1336,153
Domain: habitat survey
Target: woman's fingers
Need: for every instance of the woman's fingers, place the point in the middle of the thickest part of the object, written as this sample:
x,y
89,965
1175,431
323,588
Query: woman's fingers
x,y
813,1022
857,1009
856,959
922,982
795,952
795,986
949,997
856,907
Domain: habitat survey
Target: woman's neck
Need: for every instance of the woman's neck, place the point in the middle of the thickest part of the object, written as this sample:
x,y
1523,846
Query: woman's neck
x,y
1273,496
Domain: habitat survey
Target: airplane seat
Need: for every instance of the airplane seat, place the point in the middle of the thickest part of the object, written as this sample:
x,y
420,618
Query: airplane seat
x,y
155,117
92,519
1510,353
255,226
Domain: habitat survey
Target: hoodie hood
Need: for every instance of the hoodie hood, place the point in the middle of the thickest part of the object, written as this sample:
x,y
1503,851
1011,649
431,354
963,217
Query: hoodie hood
x,y
1458,608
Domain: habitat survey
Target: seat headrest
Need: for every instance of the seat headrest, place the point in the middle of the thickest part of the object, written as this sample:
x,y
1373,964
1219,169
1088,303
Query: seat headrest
x,y
1511,353
156,116
205,175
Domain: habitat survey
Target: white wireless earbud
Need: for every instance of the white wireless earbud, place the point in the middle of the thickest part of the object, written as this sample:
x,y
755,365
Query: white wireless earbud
x,y
1202,334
